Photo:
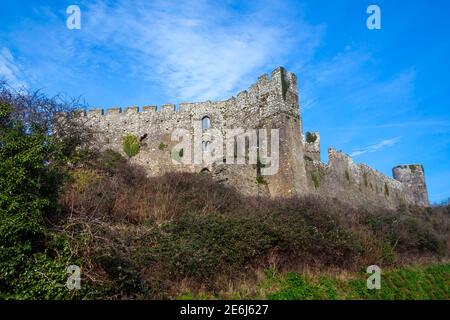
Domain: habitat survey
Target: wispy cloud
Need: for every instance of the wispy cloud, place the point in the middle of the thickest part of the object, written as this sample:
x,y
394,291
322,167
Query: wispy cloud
x,y
188,50
196,50
350,80
375,147
10,70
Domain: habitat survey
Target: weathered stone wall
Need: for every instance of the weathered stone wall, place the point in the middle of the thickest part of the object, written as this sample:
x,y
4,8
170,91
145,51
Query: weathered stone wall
x,y
271,103
311,143
413,177
356,184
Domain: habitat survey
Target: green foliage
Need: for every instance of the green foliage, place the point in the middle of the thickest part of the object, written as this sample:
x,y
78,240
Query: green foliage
x,y
82,178
409,283
202,247
44,274
311,137
110,160
419,283
387,252
125,275
259,164
29,184
131,145
386,190
33,167
260,180
299,287
162,146
315,179
406,234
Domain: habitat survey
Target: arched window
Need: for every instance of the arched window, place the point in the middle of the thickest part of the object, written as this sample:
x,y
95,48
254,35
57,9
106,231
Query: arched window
x,y
205,123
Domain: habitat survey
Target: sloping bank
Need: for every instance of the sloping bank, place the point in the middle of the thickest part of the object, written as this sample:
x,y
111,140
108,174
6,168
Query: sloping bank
x,y
430,282
406,283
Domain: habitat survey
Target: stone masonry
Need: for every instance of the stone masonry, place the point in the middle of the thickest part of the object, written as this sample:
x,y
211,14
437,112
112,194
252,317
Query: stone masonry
x,y
271,103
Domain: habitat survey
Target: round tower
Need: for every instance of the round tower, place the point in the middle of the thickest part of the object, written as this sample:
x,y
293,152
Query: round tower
x,y
413,176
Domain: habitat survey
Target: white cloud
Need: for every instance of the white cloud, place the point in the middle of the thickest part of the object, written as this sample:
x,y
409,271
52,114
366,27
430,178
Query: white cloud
x,y
10,70
375,147
196,50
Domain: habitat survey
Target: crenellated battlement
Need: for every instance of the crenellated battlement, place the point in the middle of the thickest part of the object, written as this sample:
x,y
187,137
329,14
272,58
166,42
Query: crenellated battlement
x,y
281,86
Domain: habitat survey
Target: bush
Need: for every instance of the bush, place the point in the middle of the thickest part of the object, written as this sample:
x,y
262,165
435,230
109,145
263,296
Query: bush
x,y
162,146
131,145
33,162
260,180
311,137
156,232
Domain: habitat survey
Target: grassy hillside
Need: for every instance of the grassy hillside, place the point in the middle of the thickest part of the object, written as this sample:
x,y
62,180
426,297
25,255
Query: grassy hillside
x,y
416,283
426,282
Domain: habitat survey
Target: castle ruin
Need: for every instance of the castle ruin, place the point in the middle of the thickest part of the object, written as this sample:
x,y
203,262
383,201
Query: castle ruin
x,y
272,103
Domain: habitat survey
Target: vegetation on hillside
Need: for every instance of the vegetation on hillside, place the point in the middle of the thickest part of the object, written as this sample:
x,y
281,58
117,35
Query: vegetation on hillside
x,y
34,162
64,203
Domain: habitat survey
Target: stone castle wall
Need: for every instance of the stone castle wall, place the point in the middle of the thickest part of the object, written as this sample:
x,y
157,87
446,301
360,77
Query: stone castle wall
x,y
271,103
357,184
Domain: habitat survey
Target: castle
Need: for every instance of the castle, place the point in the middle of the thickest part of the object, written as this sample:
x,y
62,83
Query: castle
x,y
273,103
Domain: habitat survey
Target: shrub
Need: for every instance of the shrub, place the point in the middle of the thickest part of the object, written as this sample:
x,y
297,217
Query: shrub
x,y
311,137
131,145
260,180
158,232
33,164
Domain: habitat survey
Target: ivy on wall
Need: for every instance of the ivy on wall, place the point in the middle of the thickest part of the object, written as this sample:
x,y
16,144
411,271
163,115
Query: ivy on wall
x,y
131,145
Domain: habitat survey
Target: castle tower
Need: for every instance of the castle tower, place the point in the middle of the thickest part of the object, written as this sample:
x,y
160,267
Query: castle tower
x,y
413,177
280,109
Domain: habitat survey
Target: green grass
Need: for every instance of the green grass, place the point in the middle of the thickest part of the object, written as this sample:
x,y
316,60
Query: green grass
x,y
431,282
409,283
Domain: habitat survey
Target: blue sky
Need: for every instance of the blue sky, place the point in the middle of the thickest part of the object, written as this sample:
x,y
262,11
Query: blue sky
x,y
382,96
